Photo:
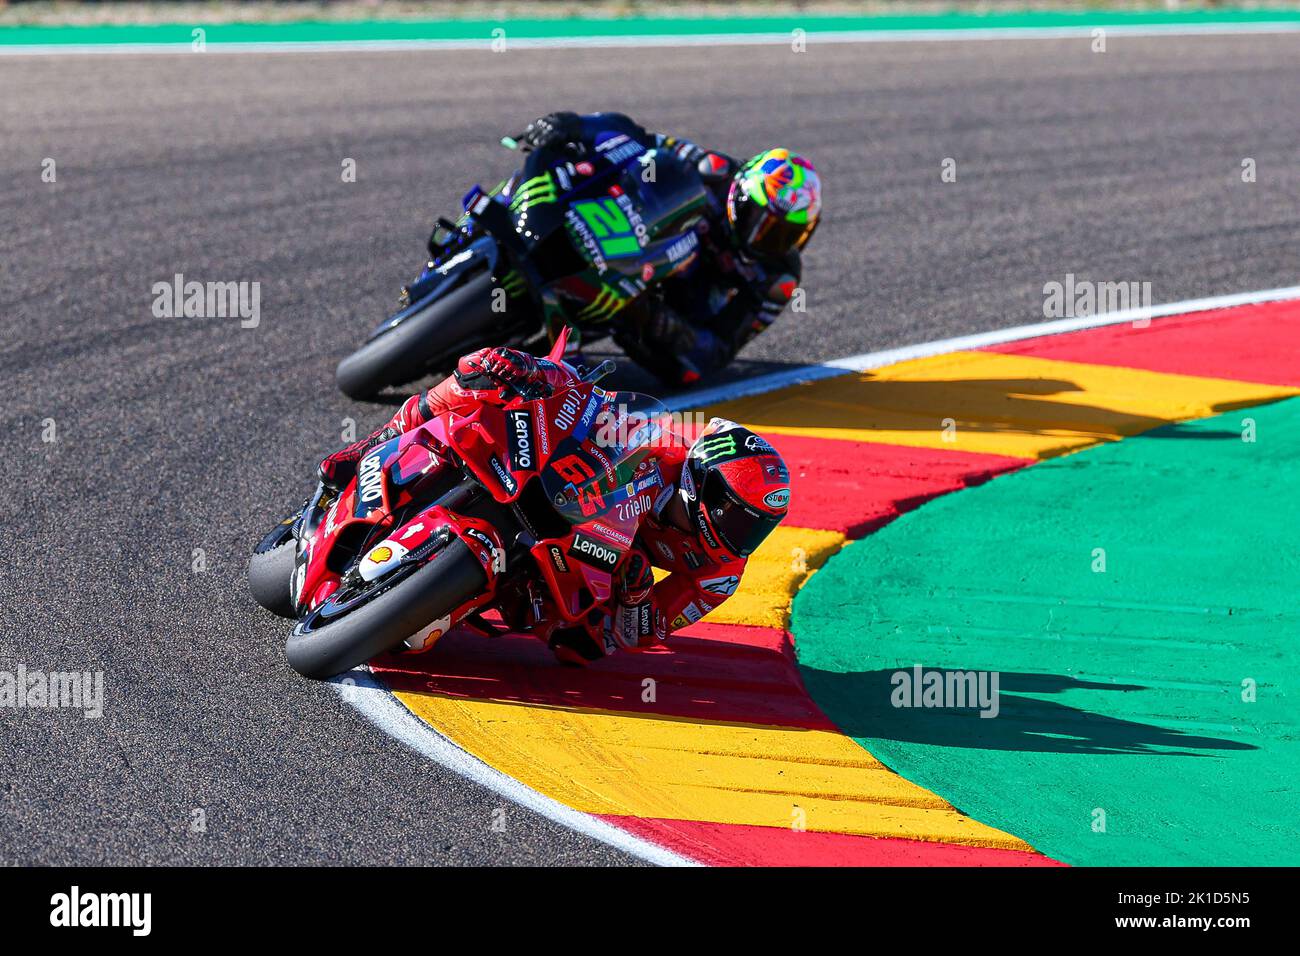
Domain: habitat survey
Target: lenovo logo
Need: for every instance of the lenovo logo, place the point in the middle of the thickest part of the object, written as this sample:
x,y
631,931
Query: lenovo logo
x,y
591,551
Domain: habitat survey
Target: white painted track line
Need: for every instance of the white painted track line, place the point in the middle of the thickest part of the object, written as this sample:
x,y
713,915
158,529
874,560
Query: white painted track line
x,y
649,40
869,360
363,691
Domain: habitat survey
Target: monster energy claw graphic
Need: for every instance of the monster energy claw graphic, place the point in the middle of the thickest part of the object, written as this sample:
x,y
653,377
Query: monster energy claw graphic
x,y
715,446
533,192
603,306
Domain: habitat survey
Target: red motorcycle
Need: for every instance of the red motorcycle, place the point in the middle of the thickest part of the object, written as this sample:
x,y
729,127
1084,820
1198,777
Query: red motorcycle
x,y
526,509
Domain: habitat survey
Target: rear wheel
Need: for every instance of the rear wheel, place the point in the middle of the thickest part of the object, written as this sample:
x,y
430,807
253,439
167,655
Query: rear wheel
x,y
320,647
431,339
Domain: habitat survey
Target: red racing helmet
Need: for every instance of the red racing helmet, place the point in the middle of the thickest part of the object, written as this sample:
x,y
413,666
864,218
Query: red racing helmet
x,y
736,489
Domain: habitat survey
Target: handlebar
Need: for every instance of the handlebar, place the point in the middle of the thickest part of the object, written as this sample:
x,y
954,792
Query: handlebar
x,y
531,391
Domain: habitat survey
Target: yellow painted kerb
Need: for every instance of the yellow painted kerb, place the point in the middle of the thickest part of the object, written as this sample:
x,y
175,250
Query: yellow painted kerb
x,y
650,765
991,403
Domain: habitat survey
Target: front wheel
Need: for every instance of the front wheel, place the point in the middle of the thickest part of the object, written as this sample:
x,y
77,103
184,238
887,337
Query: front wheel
x,y
269,577
271,567
320,648
432,338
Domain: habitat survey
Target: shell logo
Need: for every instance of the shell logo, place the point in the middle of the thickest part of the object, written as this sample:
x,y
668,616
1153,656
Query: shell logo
x,y
380,554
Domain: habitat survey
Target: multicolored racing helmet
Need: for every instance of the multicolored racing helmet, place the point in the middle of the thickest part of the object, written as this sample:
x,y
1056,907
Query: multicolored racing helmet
x,y
775,203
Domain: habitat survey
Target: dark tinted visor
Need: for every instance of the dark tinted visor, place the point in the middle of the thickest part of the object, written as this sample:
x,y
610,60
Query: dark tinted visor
x,y
739,527
768,234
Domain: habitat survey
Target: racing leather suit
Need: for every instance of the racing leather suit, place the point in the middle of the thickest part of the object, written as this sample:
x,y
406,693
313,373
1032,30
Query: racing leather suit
x,y
642,613
695,323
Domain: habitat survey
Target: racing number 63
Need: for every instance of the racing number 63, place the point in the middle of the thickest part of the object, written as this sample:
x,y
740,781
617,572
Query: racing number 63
x,y
610,225
578,473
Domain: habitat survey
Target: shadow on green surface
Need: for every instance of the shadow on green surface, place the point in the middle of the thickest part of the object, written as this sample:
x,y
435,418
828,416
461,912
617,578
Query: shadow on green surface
x,y
859,703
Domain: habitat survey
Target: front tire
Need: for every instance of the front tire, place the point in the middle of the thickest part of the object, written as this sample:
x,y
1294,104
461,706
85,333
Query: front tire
x,y
450,579
432,338
270,574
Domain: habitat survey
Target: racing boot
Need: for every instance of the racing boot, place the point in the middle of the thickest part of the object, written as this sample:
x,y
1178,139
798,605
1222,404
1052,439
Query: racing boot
x,y
336,470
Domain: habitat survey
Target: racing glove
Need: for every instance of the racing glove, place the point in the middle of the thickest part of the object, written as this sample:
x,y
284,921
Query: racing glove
x,y
498,366
553,129
475,374
632,622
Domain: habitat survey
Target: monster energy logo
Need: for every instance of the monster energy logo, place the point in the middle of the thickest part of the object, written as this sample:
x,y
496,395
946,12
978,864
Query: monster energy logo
x,y
603,306
715,446
533,192
513,283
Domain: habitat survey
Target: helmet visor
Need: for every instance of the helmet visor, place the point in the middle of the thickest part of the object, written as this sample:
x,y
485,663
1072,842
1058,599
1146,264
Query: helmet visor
x,y
740,528
768,233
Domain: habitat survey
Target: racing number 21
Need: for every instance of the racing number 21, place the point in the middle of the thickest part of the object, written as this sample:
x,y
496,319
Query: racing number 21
x,y
609,224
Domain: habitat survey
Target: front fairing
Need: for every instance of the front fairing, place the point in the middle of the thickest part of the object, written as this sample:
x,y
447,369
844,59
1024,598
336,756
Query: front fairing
x,y
477,256
605,228
337,533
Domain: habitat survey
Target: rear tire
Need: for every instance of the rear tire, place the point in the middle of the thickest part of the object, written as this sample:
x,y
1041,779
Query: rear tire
x,y
270,574
450,579
433,338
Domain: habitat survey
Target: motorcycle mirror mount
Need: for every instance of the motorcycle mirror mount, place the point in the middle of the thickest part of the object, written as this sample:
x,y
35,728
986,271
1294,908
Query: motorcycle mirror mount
x,y
599,372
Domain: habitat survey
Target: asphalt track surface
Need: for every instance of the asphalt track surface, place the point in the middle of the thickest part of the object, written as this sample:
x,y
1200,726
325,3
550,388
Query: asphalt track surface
x,y
177,434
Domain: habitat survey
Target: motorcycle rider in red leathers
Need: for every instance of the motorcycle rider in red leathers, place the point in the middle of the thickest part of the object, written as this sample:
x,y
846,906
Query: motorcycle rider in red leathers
x,y
726,494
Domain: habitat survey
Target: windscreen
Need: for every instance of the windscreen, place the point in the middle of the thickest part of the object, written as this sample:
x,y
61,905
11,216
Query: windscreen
x,y
588,478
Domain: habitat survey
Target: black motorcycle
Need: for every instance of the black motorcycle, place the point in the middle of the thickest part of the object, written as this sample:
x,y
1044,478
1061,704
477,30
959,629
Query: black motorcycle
x,y
571,239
